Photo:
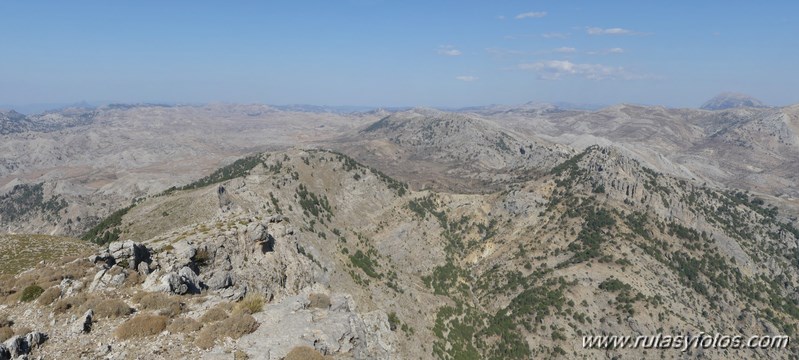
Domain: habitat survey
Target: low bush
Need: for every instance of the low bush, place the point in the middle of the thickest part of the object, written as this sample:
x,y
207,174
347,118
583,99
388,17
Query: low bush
x,y
304,353
213,315
111,308
31,293
142,325
73,302
319,301
5,333
233,327
184,325
166,305
49,296
251,304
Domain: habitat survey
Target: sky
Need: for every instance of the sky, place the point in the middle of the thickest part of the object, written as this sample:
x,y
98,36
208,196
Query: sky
x,y
398,53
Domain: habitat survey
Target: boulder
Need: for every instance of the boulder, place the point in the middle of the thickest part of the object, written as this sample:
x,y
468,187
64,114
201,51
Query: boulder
x,y
257,232
17,346
35,339
5,354
220,280
143,269
84,324
128,253
174,283
192,281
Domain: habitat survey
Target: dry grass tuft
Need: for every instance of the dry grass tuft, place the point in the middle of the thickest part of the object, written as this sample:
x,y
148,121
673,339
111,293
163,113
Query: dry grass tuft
x,y
49,295
251,304
112,308
167,305
304,353
213,315
141,326
70,303
233,327
319,301
5,333
184,325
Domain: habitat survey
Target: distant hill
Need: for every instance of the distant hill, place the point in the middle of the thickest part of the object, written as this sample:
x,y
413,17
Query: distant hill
x,y
732,101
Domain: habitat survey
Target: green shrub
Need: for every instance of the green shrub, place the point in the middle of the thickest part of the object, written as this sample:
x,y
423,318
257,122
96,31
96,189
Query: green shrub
x,y
31,293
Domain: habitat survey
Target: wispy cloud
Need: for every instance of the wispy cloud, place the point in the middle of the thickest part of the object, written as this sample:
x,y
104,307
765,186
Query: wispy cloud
x,y
611,31
531,14
467,78
559,69
565,50
554,35
448,50
616,50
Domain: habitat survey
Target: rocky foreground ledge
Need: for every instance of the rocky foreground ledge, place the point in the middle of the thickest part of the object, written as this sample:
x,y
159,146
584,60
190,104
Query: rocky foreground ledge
x,y
243,289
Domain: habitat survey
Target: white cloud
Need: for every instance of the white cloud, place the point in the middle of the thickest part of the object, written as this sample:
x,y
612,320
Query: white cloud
x,y
554,35
466,78
448,50
609,31
615,50
531,14
565,50
500,17
558,69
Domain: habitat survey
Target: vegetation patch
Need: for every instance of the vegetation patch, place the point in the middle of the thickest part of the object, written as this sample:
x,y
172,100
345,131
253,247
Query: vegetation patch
x,y
31,293
25,199
140,326
362,261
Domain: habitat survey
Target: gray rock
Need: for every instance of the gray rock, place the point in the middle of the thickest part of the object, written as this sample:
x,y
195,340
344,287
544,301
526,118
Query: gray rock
x,y
35,339
192,281
129,253
17,346
342,302
174,283
143,269
256,232
84,324
220,280
97,282
5,354
233,293
115,246
118,279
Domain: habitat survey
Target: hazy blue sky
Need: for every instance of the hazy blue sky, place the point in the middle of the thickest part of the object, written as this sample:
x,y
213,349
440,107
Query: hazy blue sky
x,y
395,53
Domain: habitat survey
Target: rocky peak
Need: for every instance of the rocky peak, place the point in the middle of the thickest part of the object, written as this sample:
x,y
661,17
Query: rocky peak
x,y
730,100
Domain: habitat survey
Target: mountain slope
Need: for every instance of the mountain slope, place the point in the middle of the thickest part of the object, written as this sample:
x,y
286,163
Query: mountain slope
x,y
431,148
597,245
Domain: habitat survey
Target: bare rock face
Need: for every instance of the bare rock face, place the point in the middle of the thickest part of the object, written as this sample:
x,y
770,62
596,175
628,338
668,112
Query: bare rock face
x,y
731,101
338,331
129,254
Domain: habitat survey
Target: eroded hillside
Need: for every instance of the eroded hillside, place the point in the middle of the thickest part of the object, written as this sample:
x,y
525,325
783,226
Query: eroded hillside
x,y
597,245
